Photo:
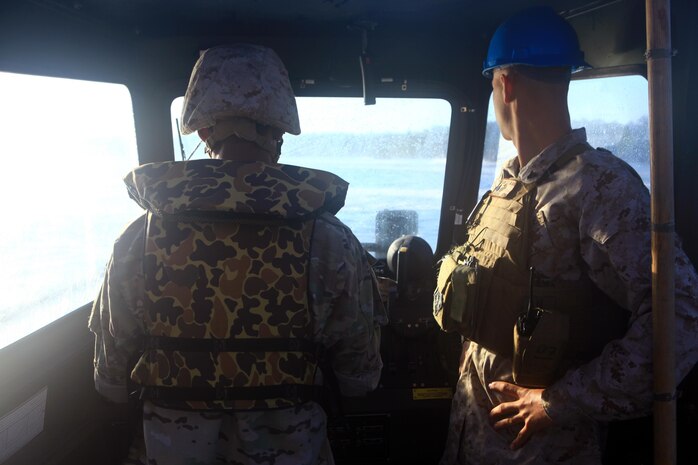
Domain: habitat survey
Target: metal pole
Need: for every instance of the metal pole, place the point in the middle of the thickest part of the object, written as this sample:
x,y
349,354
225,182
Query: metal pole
x,y
659,52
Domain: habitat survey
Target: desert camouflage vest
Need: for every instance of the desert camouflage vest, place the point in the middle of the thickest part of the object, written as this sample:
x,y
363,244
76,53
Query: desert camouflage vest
x,y
226,307
485,285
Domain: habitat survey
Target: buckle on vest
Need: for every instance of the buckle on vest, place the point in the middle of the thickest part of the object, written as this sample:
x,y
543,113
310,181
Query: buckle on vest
x,y
218,345
221,392
290,391
150,393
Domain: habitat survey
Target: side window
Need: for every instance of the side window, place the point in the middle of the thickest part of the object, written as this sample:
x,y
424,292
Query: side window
x,y
67,145
393,154
614,112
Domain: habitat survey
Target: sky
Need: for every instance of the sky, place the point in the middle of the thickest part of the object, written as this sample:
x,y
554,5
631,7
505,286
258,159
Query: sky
x,y
70,101
387,115
618,99
610,99
63,105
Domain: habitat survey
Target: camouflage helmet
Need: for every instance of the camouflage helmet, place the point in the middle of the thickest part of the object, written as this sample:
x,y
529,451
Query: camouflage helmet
x,y
240,80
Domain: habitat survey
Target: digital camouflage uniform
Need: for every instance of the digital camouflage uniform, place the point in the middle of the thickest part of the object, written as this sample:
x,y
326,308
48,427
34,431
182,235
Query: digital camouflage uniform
x,y
344,315
591,217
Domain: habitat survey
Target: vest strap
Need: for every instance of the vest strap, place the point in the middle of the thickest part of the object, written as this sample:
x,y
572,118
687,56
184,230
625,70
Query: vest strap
x,y
293,392
269,344
234,217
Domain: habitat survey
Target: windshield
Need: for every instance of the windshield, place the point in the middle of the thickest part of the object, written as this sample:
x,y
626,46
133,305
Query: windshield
x,y
393,154
65,200
613,110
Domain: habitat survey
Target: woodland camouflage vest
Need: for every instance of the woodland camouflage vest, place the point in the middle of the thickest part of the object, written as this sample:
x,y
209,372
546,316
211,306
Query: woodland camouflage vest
x,y
485,284
226,307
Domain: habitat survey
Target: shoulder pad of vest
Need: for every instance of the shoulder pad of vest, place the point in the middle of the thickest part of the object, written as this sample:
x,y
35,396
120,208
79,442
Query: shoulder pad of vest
x,y
223,186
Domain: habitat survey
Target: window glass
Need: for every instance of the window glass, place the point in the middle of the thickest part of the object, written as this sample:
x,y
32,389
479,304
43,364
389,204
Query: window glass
x,y
393,154
67,145
612,110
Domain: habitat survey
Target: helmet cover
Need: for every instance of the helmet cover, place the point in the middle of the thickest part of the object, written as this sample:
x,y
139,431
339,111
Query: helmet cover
x,y
534,37
239,80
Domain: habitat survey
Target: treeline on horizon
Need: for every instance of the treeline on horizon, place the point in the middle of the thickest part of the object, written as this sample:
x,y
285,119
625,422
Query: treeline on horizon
x,y
628,141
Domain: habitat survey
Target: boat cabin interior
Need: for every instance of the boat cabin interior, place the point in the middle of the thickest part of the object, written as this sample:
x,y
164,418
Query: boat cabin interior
x,y
391,97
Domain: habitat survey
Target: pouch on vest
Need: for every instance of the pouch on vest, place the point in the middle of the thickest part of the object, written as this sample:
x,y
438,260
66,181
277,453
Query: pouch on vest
x,y
539,352
544,343
455,297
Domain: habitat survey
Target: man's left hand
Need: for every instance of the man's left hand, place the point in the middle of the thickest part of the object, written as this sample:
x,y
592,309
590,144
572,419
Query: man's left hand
x,y
523,405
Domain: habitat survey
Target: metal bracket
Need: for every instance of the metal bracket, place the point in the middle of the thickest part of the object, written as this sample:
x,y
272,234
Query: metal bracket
x,y
657,53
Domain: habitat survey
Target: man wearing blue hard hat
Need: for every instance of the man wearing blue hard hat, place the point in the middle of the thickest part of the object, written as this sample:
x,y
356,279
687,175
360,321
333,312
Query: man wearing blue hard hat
x,y
552,287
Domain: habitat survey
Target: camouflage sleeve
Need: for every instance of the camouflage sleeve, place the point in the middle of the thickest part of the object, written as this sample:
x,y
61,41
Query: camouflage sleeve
x,y
615,246
116,314
347,312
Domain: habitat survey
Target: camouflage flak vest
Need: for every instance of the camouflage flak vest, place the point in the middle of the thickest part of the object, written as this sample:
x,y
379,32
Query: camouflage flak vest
x,y
226,262
484,285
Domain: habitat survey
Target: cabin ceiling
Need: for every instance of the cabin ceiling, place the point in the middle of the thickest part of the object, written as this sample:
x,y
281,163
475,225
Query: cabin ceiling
x,y
160,18
131,41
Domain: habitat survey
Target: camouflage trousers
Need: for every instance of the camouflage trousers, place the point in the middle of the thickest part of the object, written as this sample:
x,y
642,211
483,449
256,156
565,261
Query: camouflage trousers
x,y
290,436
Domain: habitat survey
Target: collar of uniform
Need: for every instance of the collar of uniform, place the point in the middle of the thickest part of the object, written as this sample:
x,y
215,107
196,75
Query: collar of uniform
x,y
539,164
241,188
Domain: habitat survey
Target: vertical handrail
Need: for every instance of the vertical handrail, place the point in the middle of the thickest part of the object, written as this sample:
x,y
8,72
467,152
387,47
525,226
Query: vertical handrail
x,y
659,53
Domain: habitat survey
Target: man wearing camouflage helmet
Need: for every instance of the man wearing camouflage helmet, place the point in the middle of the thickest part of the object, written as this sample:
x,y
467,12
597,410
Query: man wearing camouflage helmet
x,y
236,284
557,253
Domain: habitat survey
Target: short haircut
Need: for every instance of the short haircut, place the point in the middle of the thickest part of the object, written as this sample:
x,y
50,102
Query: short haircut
x,y
556,75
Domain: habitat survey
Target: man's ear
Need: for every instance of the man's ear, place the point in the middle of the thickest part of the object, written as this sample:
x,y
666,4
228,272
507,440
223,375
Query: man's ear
x,y
508,86
204,133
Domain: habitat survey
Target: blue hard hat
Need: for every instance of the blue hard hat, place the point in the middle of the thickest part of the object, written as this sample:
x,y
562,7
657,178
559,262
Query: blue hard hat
x,y
534,37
